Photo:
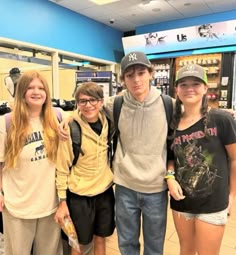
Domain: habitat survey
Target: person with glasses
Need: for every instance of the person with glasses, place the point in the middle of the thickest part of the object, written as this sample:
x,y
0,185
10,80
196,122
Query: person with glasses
x,y
85,189
92,101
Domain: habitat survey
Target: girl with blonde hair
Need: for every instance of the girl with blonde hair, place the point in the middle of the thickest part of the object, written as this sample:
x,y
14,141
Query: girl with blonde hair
x,y
28,197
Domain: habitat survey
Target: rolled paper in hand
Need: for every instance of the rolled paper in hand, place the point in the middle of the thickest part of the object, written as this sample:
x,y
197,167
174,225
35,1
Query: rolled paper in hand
x,y
69,229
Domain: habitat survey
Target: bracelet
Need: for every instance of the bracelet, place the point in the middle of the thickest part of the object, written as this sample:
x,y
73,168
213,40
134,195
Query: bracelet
x,y
62,199
170,172
170,175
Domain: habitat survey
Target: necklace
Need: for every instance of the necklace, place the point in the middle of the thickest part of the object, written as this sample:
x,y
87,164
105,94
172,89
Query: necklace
x,y
192,119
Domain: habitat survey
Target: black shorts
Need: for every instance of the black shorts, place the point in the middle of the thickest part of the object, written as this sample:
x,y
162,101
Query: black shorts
x,y
92,215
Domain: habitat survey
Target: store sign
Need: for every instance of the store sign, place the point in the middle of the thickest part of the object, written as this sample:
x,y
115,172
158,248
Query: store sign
x,y
195,37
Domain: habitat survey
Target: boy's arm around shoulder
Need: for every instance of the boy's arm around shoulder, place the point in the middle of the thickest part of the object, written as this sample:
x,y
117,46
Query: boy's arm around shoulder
x,y
64,124
108,107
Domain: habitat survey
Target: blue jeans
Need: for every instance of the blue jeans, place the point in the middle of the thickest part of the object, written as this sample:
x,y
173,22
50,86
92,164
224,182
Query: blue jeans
x,y
130,206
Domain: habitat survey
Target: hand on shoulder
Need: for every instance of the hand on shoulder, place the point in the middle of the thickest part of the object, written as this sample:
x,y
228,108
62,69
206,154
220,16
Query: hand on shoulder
x,y
63,129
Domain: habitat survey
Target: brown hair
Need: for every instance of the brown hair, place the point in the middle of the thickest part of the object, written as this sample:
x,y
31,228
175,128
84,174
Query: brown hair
x,y
178,113
20,127
133,68
90,89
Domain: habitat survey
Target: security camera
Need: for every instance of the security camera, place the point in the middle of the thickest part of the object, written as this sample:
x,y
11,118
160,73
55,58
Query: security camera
x,y
112,21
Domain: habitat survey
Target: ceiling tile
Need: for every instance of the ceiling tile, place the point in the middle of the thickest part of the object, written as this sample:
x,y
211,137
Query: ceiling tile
x,y
129,14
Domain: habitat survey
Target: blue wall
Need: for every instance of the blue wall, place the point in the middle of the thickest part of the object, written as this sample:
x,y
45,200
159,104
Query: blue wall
x,y
218,17
45,23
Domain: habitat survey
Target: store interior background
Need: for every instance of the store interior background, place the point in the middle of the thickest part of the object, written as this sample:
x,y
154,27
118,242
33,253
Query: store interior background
x,y
58,42
59,69
43,35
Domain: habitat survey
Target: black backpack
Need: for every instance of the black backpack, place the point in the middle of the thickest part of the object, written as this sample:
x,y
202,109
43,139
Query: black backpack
x,y
75,132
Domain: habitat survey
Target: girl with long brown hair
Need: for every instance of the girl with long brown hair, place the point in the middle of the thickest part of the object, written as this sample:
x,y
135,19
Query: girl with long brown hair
x,y
202,180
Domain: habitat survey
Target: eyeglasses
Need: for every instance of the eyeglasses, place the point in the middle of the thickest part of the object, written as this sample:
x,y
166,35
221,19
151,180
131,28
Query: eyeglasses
x,y
92,101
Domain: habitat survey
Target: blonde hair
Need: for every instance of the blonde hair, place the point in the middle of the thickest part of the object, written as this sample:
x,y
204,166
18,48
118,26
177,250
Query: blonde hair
x,y
19,128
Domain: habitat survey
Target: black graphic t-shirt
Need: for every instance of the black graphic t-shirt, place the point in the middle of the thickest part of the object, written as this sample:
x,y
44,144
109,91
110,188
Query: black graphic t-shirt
x,y
202,167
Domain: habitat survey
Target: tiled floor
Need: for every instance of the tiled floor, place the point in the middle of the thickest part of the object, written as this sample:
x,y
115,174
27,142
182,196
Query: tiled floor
x,y
171,241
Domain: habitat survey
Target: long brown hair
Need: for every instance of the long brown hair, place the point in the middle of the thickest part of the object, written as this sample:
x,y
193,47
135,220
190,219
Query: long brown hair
x,y
19,128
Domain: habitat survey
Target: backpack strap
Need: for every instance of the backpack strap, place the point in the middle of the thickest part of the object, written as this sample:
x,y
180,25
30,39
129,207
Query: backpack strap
x,y
58,113
116,115
168,104
75,133
116,111
110,137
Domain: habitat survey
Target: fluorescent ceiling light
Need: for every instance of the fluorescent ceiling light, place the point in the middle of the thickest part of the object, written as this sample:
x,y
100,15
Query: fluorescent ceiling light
x,y
102,2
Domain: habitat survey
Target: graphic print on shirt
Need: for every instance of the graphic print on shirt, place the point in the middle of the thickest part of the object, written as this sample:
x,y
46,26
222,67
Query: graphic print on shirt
x,y
39,150
38,153
195,170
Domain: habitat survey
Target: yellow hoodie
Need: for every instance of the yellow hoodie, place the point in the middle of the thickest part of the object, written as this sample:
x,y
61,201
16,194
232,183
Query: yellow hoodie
x,y
91,175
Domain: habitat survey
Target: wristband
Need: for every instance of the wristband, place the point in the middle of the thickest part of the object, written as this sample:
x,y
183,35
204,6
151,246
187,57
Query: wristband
x,y
62,199
170,172
169,175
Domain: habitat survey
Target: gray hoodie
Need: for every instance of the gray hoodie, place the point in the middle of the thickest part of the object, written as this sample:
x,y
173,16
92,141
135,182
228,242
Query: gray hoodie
x,y
140,159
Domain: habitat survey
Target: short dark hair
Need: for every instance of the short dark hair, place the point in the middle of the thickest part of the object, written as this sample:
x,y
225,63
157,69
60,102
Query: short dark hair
x,y
133,68
90,89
